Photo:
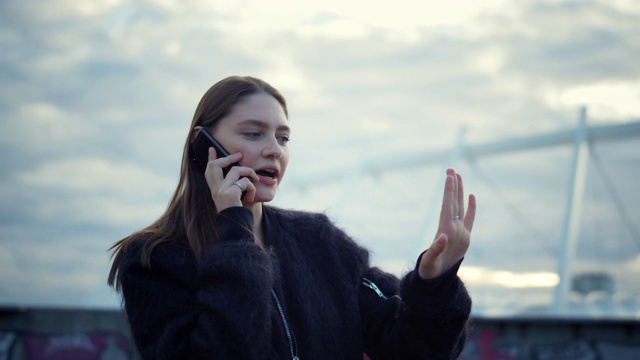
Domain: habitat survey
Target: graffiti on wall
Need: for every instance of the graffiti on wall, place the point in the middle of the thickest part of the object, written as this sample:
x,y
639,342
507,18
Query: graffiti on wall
x,y
481,345
80,346
6,340
488,345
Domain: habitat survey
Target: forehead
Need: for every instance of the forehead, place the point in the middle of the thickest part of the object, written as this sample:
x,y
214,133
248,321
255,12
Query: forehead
x,y
260,107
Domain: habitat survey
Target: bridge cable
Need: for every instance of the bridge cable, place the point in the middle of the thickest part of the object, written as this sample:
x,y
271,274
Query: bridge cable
x,y
615,197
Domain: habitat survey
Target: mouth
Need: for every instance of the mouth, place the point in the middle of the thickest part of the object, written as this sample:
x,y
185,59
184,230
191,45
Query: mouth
x,y
268,173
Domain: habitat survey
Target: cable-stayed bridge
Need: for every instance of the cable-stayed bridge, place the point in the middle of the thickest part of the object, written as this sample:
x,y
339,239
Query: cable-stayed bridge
x,y
581,140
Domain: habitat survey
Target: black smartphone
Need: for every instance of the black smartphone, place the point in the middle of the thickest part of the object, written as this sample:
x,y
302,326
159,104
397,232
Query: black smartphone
x,y
200,151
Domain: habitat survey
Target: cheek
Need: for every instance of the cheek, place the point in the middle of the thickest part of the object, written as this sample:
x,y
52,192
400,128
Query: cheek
x,y
249,154
284,162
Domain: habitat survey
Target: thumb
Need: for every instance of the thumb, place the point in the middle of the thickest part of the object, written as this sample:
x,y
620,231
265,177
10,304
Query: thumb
x,y
429,258
438,245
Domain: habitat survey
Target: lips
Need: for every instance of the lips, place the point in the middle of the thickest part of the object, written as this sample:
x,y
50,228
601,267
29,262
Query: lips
x,y
268,172
268,175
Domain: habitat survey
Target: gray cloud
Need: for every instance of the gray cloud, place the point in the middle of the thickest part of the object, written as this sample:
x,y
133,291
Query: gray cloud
x,y
96,103
572,42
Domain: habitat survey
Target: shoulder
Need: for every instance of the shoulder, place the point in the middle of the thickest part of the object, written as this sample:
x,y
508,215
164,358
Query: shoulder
x,y
143,261
144,246
304,223
317,231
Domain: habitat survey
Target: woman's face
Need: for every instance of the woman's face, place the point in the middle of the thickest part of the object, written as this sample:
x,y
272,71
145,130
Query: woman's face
x,y
258,128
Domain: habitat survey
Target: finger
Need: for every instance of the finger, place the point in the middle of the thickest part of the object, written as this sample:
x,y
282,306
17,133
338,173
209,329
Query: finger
x,y
452,173
471,213
460,197
224,161
447,211
240,184
249,197
250,193
245,187
429,262
436,247
238,172
216,166
251,187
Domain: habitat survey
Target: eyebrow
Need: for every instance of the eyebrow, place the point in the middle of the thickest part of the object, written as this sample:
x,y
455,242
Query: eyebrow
x,y
263,125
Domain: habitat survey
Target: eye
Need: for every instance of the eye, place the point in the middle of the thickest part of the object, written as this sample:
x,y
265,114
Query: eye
x,y
252,134
283,140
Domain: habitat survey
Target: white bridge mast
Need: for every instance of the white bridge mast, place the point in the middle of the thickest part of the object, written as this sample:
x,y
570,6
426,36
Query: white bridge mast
x,y
580,138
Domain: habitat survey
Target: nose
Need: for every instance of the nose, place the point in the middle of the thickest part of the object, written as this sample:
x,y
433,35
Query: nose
x,y
273,149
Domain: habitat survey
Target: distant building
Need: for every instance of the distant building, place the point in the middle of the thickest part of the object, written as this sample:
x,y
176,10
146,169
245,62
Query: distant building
x,y
586,283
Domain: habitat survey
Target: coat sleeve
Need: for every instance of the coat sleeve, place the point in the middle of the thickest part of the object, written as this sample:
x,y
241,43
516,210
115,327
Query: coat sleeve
x,y
217,308
414,318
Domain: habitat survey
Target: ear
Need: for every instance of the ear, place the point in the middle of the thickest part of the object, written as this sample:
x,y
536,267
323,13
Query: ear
x,y
194,133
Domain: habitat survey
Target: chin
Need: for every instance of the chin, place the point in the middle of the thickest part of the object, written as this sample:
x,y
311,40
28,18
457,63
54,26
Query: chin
x,y
265,196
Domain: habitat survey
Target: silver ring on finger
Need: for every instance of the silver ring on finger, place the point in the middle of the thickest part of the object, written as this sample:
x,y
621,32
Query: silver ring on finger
x,y
456,217
239,184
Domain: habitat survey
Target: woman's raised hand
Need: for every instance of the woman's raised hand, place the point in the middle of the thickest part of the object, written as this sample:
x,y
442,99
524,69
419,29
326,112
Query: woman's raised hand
x,y
454,230
226,191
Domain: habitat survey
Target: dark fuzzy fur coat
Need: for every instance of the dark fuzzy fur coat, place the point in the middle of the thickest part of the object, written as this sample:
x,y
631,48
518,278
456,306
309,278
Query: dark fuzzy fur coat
x,y
222,306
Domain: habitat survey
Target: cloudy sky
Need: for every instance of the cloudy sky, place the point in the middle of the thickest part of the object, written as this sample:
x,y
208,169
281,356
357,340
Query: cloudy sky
x,y
97,97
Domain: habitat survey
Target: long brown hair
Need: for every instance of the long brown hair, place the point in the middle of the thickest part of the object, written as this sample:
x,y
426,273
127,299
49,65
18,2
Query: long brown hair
x,y
191,214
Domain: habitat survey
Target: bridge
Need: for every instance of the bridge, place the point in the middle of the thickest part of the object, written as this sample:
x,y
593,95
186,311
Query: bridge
x,y
581,139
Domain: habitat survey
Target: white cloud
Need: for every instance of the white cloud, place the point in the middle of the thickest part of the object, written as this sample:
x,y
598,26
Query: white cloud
x,y
489,60
43,128
337,19
97,191
60,10
56,61
611,100
407,15
86,175
44,114
484,276
49,271
336,28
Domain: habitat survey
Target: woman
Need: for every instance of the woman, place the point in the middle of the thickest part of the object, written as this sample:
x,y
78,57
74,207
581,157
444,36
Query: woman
x,y
221,275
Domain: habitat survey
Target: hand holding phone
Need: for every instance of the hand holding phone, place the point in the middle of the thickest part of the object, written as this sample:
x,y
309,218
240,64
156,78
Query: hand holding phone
x,y
200,151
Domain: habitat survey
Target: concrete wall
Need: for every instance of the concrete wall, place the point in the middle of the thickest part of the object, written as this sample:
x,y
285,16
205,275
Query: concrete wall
x,y
553,339
83,334
76,334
